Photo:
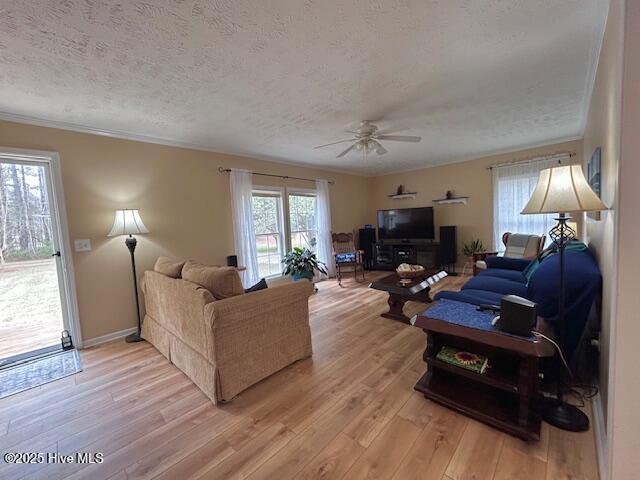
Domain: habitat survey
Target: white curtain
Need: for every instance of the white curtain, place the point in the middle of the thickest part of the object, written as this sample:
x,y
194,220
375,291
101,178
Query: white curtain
x,y
244,234
512,188
324,246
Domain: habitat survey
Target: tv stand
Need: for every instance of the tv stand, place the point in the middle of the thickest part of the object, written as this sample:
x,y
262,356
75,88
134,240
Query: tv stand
x,y
391,253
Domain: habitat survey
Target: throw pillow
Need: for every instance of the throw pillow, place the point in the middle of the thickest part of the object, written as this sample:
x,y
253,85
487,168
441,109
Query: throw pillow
x,y
261,285
222,282
345,257
168,267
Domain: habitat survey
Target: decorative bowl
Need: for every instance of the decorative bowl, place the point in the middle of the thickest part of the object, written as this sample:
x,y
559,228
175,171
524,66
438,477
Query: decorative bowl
x,y
418,272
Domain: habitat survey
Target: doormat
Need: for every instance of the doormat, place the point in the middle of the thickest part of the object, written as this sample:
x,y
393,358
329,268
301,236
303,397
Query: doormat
x,y
38,372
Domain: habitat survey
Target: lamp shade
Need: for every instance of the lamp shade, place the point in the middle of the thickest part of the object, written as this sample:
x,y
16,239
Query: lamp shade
x,y
127,222
563,189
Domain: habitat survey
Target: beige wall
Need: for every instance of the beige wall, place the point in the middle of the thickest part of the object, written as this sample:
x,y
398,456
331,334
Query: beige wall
x,y
624,387
470,178
613,124
182,197
603,130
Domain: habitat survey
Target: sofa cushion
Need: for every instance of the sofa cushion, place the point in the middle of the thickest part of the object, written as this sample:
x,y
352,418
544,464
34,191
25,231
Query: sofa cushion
x,y
168,267
496,285
507,263
222,282
512,275
476,297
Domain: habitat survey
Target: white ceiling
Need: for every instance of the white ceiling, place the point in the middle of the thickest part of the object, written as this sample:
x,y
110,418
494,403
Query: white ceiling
x,y
271,79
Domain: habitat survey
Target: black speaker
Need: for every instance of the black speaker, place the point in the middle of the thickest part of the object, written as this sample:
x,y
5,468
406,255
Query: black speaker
x,y
517,315
448,251
232,261
366,242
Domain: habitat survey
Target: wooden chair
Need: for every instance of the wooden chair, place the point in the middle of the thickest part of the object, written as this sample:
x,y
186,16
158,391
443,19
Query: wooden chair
x,y
346,255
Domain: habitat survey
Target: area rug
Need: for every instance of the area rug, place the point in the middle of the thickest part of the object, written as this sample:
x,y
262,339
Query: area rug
x,y
38,372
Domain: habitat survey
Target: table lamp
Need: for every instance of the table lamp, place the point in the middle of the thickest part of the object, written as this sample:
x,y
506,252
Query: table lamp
x,y
560,190
128,222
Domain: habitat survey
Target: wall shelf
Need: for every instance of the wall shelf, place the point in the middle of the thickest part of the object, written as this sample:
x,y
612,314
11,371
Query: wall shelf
x,y
452,200
403,195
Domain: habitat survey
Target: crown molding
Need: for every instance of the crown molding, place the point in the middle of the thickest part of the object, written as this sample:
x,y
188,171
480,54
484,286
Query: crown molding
x,y
28,120
74,127
490,153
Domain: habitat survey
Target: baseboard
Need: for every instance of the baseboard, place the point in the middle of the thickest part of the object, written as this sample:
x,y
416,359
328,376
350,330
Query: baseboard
x,y
600,435
92,342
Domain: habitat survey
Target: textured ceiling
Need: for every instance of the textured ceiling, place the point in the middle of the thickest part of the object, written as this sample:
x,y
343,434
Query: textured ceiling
x,y
271,79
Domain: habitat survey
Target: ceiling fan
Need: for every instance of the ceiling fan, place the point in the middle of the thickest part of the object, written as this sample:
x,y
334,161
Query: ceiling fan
x,y
367,139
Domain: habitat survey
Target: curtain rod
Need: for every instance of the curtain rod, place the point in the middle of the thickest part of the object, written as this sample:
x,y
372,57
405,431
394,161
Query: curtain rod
x,y
284,177
534,158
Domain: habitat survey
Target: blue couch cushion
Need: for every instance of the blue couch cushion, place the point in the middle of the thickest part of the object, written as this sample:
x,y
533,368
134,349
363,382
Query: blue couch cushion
x,y
583,282
512,275
507,263
475,297
496,285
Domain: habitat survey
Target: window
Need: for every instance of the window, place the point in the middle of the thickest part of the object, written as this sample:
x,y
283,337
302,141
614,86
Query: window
x,y
302,220
267,220
512,188
274,236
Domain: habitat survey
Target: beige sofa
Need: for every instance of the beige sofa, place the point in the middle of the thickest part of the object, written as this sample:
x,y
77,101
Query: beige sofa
x,y
226,345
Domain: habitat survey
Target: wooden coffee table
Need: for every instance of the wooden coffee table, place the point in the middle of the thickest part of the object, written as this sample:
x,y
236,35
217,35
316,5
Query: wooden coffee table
x,y
417,291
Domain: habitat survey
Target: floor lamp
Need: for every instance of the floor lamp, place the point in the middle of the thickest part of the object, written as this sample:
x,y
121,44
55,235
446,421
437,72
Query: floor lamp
x,y
128,222
559,190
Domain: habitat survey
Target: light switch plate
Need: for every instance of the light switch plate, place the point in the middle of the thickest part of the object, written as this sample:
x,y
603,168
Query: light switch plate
x,y
82,245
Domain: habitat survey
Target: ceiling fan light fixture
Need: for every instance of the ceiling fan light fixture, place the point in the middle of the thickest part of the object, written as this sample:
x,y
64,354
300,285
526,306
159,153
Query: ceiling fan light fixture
x,y
367,139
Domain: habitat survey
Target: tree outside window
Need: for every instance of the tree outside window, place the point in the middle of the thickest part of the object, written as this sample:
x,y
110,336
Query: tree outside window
x,y
266,219
302,220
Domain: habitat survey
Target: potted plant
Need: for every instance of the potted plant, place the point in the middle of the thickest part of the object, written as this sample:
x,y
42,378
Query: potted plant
x,y
474,246
302,263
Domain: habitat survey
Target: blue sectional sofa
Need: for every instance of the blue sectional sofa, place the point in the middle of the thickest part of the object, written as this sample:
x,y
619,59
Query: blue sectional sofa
x,y
539,281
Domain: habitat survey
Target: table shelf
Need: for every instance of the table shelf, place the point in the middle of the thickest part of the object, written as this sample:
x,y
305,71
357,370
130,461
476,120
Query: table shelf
x,y
493,376
481,402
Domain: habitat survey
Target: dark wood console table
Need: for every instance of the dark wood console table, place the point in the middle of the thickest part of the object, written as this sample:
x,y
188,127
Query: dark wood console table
x,y
507,395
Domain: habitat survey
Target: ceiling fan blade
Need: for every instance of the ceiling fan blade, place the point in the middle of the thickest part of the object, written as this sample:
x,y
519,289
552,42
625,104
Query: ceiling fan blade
x,y
347,150
335,143
380,150
399,138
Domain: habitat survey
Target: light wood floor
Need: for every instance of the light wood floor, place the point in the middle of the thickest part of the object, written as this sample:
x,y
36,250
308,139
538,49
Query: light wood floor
x,y
349,412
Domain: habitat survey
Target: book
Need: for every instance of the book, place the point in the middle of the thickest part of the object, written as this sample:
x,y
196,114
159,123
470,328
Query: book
x,y
470,361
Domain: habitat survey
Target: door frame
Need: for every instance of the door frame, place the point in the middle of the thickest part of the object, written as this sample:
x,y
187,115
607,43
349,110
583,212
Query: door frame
x,y
58,211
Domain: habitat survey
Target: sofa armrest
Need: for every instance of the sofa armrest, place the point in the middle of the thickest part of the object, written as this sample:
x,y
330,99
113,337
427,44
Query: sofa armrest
x,y
507,263
258,318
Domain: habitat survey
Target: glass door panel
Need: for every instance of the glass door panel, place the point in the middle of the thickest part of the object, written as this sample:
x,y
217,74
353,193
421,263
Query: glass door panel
x,y
31,314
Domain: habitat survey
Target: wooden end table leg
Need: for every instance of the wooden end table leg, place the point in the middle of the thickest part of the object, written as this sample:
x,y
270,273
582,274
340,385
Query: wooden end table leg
x,y
396,304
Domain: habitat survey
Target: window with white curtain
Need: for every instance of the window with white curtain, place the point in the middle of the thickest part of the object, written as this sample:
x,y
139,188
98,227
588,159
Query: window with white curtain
x,y
512,188
284,219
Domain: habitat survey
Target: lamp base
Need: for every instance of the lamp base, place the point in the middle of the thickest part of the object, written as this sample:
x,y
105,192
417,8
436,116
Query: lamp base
x,y
133,338
565,416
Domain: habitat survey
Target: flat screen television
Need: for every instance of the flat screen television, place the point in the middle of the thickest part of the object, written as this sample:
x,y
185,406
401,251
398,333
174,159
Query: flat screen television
x,y
405,223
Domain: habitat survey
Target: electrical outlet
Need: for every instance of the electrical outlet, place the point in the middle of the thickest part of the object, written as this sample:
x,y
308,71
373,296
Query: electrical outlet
x,y
82,245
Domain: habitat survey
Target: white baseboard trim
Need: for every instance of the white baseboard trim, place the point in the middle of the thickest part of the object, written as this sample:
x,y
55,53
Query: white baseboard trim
x,y
600,435
92,342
